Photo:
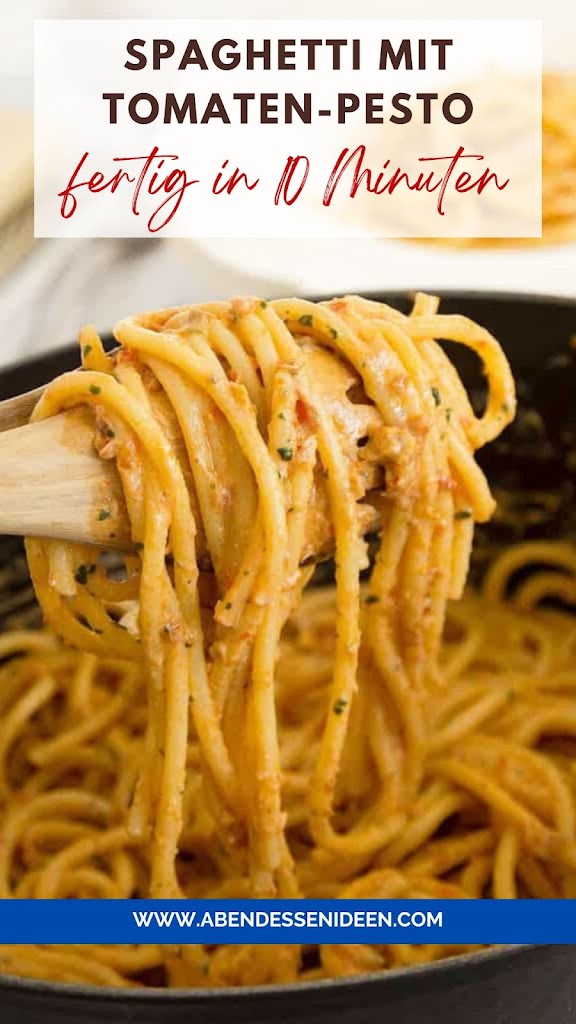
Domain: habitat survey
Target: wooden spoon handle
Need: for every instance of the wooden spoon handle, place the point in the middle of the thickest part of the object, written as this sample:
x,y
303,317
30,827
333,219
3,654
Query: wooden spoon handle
x,y
16,412
53,483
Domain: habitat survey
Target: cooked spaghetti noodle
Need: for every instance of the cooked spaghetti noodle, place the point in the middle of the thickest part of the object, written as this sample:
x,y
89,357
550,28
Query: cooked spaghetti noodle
x,y
226,734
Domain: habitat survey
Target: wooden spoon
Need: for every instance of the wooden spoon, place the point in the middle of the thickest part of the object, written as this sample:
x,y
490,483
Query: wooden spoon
x,y
54,484
52,481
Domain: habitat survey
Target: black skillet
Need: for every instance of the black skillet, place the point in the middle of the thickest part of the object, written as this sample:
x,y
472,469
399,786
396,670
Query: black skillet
x,y
533,471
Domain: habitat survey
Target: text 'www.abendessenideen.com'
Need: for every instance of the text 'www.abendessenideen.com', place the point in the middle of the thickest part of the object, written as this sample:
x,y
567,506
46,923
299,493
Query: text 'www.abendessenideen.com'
x,y
283,919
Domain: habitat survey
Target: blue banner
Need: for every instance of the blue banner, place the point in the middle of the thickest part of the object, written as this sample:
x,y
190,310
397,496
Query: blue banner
x,y
288,921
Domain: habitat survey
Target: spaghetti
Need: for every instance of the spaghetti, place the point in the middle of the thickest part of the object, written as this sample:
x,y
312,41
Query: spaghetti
x,y
224,733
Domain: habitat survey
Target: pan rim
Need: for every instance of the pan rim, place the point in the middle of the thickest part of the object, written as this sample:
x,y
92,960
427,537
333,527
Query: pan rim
x,y
520,298
450,965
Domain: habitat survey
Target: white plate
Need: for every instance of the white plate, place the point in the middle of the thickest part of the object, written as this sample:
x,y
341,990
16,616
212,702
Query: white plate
x,y
319,267
332,267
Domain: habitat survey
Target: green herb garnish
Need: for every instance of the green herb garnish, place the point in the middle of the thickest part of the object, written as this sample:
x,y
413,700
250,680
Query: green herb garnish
x,y
305,320
94,389
87,350
339,706
371,599
103,514
286,453
436,396
463,513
